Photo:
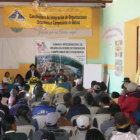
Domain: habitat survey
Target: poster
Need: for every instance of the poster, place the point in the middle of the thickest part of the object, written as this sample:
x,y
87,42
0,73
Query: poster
x,y
44,17
118,57
54,54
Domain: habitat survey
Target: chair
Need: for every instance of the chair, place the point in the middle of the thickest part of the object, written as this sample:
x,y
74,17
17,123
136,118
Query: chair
x,y
76,116
138,132
70,130
93,110
100,119
27,129
40,119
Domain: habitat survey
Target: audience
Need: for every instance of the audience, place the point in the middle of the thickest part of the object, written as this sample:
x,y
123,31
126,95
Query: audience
x,y
61,108
129,101
4,90
83,125
9,128
78,89
94,134
113,109
67,100
77,108
115,96
51,126
23,116
122,124
44,107
89,101
4,107
105,102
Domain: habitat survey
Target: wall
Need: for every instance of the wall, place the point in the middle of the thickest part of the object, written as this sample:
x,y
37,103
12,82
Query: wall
x,y
93,43
121,11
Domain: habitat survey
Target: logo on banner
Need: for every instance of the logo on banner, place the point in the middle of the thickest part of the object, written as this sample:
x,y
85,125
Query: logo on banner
x,y
16,16
42,47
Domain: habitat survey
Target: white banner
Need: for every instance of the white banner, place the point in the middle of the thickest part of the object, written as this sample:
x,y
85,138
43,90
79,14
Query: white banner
x,y
69,54
73,48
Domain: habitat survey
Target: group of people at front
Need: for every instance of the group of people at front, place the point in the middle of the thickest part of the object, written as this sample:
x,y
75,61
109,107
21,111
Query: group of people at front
x,y
74,110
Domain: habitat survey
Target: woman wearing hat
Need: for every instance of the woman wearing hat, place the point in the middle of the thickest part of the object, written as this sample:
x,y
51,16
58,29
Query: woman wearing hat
x,y
32,72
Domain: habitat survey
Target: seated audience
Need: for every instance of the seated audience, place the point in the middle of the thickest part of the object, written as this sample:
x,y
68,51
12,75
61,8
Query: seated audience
x,y
9,128
105,101
89,101
67,100
6,78
125,82
115,96
129,100
32,72
4,107
47,76
21,85
61,77
94,134
4,90
77,108
83,125
78,89
113,109
38,91
22,100
51,126
122,124
23,116
103,87
18,79
61,108
44,108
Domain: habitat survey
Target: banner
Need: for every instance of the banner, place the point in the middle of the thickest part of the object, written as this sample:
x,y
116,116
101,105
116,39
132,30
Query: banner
x,y
69,54
48,17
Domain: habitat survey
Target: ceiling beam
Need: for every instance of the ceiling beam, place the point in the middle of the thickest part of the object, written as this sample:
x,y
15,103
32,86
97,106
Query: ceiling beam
x,y
63,1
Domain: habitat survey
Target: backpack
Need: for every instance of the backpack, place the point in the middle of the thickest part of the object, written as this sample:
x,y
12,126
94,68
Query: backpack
x,y
136,114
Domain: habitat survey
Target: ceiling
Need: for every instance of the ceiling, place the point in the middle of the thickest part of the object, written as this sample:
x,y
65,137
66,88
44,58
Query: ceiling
x,y
68,3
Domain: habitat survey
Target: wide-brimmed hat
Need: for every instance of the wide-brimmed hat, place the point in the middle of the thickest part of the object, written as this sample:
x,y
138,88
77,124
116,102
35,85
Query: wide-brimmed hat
x,y
121,120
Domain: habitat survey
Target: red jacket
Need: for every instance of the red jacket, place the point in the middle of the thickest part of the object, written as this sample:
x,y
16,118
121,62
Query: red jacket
x,y
129,104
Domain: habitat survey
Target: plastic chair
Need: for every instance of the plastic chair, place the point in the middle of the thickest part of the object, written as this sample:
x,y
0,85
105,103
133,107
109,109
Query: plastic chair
x,y
27,129
40,119
100,119
93,110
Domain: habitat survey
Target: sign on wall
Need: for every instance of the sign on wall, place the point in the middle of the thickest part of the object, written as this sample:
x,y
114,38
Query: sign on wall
x,y
69,54
52,17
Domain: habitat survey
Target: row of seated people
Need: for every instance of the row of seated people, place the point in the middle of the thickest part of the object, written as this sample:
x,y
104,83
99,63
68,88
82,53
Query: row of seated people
x,y
46,77
74,106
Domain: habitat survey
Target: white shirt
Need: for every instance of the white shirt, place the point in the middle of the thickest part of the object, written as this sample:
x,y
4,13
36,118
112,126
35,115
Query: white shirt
x,y
6,80
32,71
124,136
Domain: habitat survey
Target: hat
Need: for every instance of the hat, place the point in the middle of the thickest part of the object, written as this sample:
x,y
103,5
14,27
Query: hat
x,y
46,97
52,118
121,120
131,87
126,79
82,122
96,87
61,108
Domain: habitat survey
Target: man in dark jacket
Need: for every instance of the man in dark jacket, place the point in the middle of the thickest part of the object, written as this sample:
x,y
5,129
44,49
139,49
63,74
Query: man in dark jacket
x,y
77,108
32,72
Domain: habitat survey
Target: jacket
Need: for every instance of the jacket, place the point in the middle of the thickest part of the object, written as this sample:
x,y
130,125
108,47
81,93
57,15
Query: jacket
x,y
129,103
